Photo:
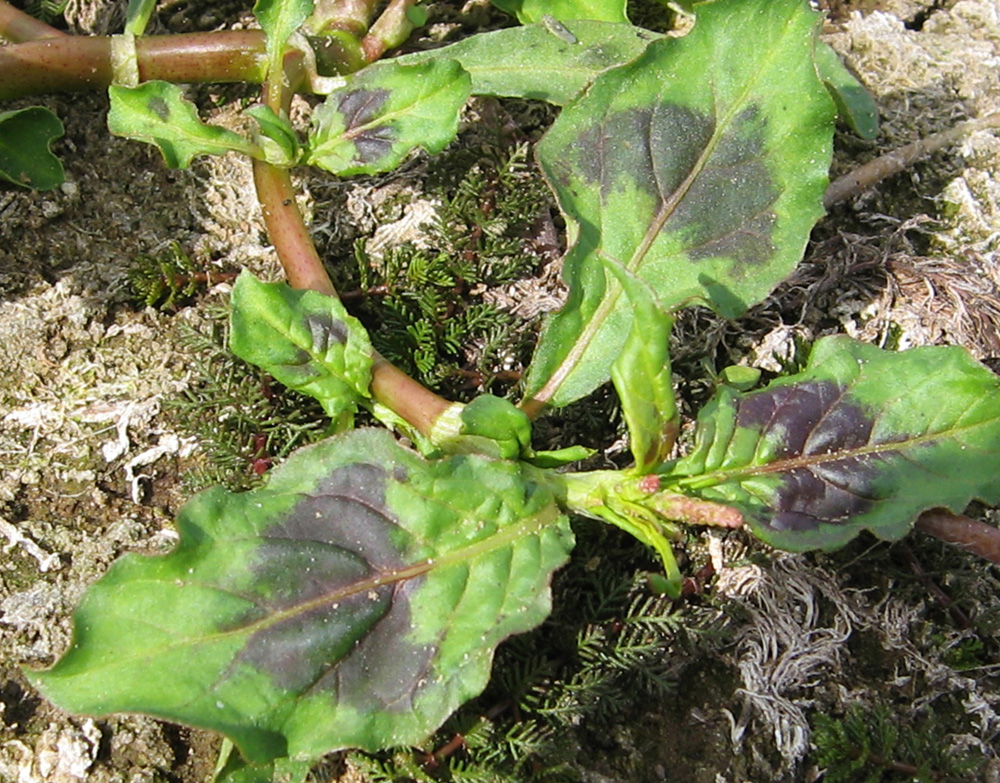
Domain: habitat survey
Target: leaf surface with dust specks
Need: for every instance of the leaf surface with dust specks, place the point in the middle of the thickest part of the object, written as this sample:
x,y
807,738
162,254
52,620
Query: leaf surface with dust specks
x,y
354,601
531,61
157,113
528,11
305,340
862,439
700,167
383,112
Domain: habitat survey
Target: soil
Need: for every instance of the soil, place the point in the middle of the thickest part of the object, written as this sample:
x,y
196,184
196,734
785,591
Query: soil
x,y
93,461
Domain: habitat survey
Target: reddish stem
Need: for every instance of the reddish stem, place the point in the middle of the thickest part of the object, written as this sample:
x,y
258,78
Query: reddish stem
x,y
969,534
17,26
304,269
222,56
75,63
287,230
351,16
390,30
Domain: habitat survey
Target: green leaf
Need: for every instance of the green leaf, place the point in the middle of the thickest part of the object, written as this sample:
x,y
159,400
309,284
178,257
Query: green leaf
x,y
137,15
235,769
369,125
279,19
532,62
528,11
25,157
305,339
862,439
855,105
277,136
700,167
488,425
157,113
355,601
642,375
625,502
740,377
559,458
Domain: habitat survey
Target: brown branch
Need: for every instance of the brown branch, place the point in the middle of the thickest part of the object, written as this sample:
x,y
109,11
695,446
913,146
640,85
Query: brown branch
x,y
17,26
287,230
390,386
868,175
73,63
969,534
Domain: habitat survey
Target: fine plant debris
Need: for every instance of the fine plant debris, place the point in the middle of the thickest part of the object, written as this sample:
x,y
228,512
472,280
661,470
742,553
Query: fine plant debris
x,y
508,432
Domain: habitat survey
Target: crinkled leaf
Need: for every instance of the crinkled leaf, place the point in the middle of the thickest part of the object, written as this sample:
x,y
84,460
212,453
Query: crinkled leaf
x,y
488,425
855,105
384,111
355,601
25,157
528,11
277,136
533,62
157,113
305,339
862,439
700,167
642,375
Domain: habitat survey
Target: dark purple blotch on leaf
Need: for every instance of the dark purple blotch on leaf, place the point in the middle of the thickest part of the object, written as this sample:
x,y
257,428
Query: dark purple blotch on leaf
x,y
823,450
326,331
728,210
159,107
360,108
712,187
339,622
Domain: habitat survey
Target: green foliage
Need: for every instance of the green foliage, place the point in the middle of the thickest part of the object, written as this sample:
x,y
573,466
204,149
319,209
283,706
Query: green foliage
x,y
46,10
242,420
356,599
168,278
488,425
306,341
528,11
157,113
861,439
382,113
276,136
872,745
137,15
280,19
534,62
298,617
855,104
692,168
607,650
426,308
643,377
25,157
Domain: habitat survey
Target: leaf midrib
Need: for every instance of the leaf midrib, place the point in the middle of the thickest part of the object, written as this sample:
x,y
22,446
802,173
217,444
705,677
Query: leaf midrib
x,y
614,290
530,525
737,475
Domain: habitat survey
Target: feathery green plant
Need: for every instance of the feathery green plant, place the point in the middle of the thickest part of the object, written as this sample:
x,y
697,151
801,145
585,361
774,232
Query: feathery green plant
x,y
872,745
